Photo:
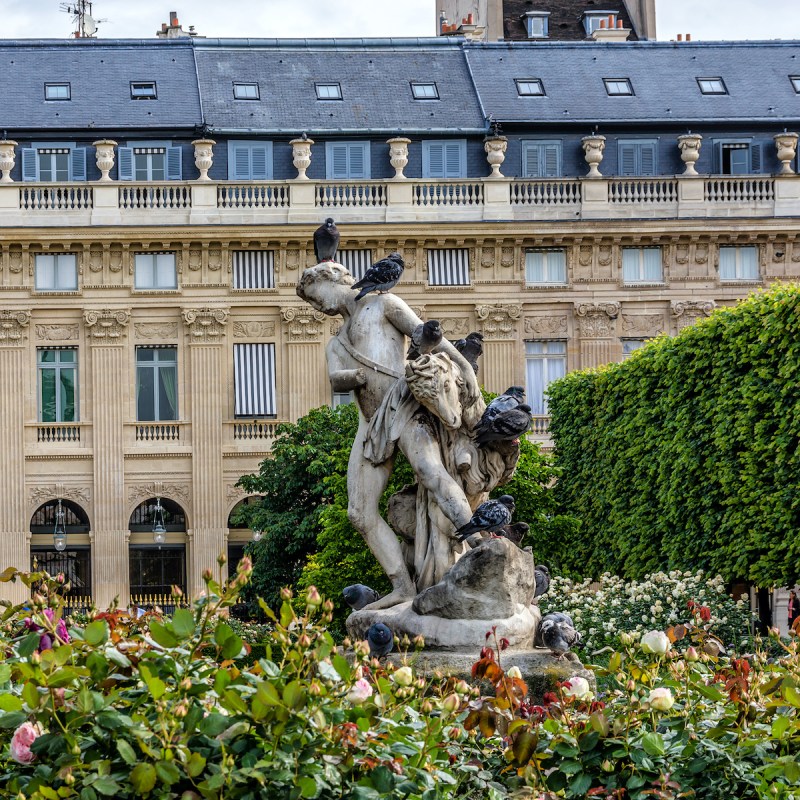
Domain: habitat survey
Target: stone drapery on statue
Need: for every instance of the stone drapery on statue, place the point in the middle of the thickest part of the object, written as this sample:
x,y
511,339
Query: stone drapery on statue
x,y
426,408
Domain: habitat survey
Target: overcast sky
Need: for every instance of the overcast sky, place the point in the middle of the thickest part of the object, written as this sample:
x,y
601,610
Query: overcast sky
x,y
704,19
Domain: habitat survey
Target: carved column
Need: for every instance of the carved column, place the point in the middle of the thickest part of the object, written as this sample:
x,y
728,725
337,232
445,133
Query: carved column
x,y
502,364
306,378
14,527
597,333
687,312
107,333
206,329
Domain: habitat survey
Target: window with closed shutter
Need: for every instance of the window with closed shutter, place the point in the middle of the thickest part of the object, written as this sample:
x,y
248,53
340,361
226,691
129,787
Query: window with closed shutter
x,y
347,160
357,262
249,161
253,269
638,158
444,159
541,159
448,267
254,380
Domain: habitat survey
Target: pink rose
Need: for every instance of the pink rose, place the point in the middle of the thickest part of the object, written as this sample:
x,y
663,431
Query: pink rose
x,y
360,692
21,742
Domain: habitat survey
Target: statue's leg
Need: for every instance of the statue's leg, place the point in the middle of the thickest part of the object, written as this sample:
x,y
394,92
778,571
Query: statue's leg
x,y
365,485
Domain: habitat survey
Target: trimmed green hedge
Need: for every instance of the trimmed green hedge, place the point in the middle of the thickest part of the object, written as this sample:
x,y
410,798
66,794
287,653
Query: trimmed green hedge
x,y
686,455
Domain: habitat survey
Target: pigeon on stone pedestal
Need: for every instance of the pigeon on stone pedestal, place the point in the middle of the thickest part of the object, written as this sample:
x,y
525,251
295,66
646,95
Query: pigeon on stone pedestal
x,y
326,241
471,348
515,532
558,634
490,516
380,640
357,596
542,575
381,276
424,339
506,426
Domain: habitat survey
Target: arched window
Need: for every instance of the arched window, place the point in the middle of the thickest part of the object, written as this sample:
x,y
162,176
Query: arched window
x,y
156,568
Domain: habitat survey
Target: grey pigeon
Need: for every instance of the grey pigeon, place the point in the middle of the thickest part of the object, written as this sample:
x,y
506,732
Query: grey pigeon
x,y
489,516
357,596
542,575
424,339
380,640
511,398
326,241
471,348
381,276
506,426
515,532
557,633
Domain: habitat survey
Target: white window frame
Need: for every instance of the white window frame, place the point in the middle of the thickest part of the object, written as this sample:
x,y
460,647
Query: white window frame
x,y
554,266
552,355
542,17
328,91
246,91
524,85
708,86
64,268
634,270
795,81
630,346
424,90
148,270
740,263
138,92
592,19
51,92
613,84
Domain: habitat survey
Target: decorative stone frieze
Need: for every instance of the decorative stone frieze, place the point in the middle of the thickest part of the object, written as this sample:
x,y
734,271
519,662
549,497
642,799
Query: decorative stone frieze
x,y
687,312
689,144
596,320
205,325
499,321
550,325
39,495
106,325
303,324
454,326
174,491
57,333
646,325
253,330
156,330
13,327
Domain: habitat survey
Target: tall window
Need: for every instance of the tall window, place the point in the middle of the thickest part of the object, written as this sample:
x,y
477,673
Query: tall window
x,y
357,262
155,570
52,163
546,266
545,361
254,380
347,160
541,159
737,157
155,271
156,384
149,162
58,372
444,159
56,273
448,267
738,263
638,158
253,269
642,265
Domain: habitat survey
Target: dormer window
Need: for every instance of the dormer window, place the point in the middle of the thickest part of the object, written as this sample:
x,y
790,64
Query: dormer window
x,y
530,87
618,87
593,19
328,91
795,79
537,24
712,86
57,91
245,91
424,91
143,90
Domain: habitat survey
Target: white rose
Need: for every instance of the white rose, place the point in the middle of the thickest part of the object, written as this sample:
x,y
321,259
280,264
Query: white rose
x,y
578,688
661,699
655,642
514,672
403,676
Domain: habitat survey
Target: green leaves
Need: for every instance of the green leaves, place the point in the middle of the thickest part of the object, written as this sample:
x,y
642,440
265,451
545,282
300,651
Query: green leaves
x,y
143,778
230,644
96,633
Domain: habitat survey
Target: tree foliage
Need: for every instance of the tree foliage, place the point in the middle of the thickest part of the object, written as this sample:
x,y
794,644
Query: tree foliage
x,y
686,455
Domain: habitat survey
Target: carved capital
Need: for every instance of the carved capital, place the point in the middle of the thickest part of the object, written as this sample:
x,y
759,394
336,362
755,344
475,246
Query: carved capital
x,y
107,325
499,321
687,312
595,320
303,324
13,327
205,325
41,494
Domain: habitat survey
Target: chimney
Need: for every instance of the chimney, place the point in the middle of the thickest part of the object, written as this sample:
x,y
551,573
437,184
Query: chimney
x,y
680,37
688,37
173,29
173,19
611,30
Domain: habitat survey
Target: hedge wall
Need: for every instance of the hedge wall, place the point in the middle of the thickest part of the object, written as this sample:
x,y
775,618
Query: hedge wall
x,y
686,455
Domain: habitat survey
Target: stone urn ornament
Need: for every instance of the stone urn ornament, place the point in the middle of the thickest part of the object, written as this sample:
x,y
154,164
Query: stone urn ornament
x,y
495,147
203,156
593,147
786,144
398,155
689,144
7,159
301,156
104,156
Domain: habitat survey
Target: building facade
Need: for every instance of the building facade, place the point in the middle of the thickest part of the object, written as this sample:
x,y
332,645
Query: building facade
x,y
157,203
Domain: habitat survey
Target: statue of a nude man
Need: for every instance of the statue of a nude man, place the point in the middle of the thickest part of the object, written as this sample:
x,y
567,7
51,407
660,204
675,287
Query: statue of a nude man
x,y
367,357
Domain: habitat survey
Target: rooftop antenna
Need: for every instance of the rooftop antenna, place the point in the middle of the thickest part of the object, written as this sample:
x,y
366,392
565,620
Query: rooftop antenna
x,y
82,18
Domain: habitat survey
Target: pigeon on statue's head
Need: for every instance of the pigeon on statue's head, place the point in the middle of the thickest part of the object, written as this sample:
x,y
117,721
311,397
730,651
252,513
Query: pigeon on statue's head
x,y
490,516
424,339
358,595
326,241
381,276
380,640
506,426
471,347
558,634
542,575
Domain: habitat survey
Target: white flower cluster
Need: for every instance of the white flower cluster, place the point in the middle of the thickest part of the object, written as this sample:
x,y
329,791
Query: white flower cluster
x,y
603,609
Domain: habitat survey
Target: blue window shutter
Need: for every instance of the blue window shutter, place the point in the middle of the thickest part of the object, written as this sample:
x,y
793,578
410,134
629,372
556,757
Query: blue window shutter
x,y
125,163
648,159
337,161
261,162
174,171
756,158
77,163
552,160
435,160
30,165
627,160
531,160
454,162
358,160
238,161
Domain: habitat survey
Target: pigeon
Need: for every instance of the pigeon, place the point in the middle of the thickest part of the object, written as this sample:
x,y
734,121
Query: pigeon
x,y
380,640
424,339
511,398
326,241
471,348
381,276
357,596
516,532
558,634
542,575
508,425
489,516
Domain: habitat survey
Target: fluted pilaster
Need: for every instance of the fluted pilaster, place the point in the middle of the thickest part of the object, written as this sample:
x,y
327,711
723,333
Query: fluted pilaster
x,y
597,326
305,367
502,364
